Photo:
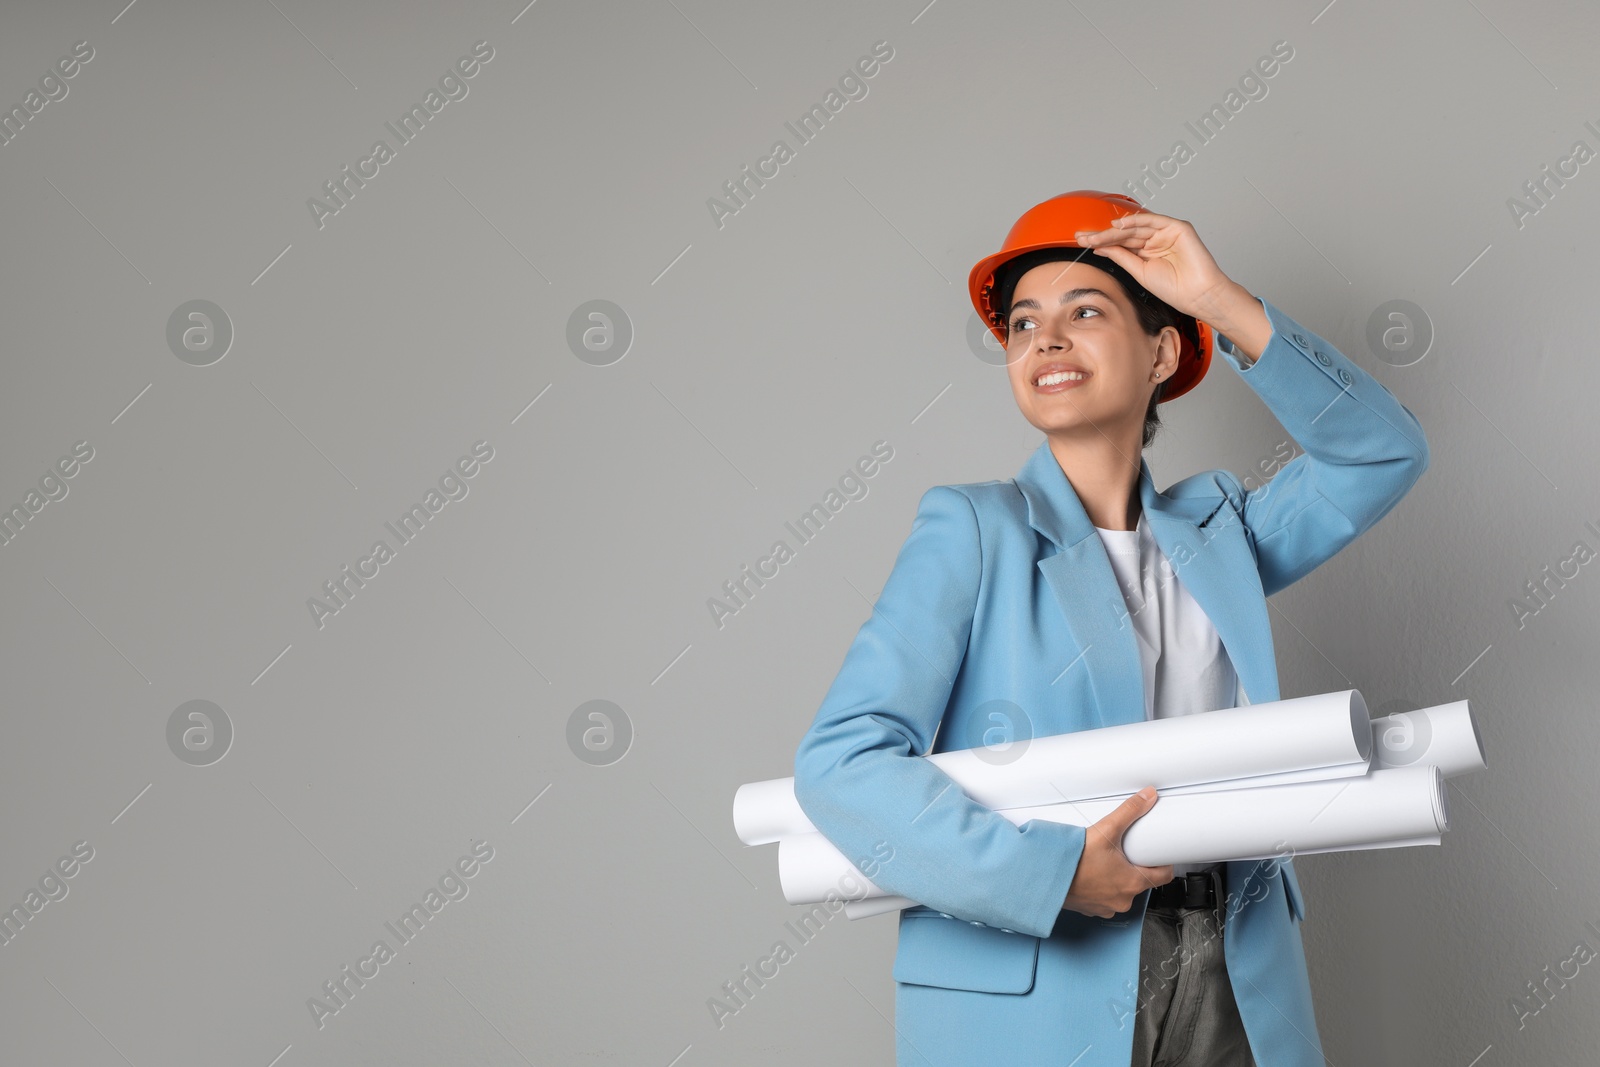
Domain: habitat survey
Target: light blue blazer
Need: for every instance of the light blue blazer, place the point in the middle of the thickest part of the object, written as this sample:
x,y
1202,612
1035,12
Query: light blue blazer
x,y
1002,613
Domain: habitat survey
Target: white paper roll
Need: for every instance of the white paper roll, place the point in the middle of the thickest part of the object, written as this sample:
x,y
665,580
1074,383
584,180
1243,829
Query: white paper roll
x,y
866,909
1444,735
870,906
1385,805
1310,738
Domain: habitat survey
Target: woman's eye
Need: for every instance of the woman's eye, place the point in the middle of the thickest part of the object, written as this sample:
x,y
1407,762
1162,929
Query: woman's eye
x,y
1016,323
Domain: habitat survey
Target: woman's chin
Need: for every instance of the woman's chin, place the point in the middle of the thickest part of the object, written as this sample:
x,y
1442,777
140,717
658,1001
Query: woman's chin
x,y
1060,418
1071,423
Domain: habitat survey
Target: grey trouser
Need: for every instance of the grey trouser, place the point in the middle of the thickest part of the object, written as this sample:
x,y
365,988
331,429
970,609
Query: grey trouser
x,y
1185,1015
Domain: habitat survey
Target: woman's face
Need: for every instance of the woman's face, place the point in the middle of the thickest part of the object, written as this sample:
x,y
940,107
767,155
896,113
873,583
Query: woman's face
x,y
1073,317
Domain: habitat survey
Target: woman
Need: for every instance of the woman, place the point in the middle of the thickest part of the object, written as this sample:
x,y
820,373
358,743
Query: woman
x,y
1041,943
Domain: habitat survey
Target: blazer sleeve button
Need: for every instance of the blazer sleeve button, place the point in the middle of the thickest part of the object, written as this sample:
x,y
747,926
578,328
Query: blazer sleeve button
x,y
1344,376
1324,359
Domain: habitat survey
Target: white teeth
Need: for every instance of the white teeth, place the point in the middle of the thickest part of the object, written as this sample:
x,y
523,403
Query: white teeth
x,y
1062,376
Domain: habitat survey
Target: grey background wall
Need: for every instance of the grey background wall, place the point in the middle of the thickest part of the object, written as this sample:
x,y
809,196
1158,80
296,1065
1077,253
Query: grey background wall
x,y
340,766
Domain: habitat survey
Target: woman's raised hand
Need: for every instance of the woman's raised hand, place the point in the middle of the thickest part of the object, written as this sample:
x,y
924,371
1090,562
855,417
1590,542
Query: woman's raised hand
x,y
1165,256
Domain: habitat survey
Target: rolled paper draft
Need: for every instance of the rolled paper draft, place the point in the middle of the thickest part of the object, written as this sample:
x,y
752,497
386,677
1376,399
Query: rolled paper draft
x,y
1311,738
1445,736
1386,805
870,906
867,907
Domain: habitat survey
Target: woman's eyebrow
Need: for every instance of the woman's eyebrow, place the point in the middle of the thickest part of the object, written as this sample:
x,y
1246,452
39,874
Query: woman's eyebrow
x,y
1066,298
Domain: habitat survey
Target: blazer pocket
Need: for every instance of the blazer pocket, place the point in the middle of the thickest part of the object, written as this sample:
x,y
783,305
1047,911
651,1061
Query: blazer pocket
x,y
955,954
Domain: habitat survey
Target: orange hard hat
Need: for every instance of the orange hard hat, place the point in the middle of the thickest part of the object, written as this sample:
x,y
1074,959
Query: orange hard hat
x,y
1055,224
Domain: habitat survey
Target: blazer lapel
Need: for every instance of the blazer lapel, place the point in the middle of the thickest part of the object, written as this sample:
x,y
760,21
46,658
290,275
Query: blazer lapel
x,y
1085,587
1207,548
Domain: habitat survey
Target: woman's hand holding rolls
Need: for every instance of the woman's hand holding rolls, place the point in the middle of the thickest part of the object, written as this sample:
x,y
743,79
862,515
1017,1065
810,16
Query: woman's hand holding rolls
x,y
1106,882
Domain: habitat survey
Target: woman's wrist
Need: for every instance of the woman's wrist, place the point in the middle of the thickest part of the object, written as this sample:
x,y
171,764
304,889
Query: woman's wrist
x,y
1234,312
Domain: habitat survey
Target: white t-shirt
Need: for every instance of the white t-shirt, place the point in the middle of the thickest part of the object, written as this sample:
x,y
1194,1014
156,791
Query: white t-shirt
x,y
1186,668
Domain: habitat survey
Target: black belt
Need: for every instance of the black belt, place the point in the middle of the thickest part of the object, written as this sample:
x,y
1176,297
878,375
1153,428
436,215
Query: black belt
x,y
1197,889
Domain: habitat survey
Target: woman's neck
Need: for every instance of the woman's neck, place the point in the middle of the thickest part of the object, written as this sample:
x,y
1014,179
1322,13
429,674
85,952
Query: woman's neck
x,y
1106,479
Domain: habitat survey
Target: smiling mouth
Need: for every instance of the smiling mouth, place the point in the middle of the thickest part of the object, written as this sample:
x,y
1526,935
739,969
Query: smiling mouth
x,y
1059,381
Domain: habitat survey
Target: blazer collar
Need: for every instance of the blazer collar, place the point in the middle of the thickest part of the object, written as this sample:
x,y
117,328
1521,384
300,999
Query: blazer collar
x,y
1206,546
1055,510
